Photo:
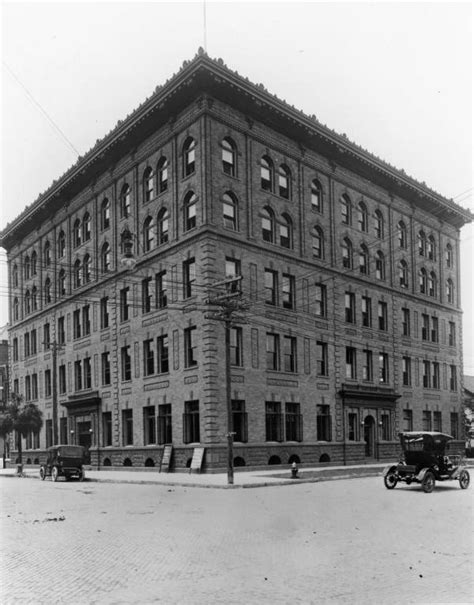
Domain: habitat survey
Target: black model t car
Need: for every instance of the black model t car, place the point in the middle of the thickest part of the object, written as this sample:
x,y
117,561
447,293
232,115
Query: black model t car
x,y
425,461
64,461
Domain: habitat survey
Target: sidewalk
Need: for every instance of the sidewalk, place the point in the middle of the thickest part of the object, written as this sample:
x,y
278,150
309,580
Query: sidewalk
x,y
256,478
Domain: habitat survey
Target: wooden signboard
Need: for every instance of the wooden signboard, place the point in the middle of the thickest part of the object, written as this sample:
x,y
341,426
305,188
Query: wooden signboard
x,y
196,462
166,458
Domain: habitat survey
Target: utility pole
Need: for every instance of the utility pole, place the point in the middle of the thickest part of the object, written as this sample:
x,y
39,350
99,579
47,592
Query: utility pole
x,y
55,347
230,305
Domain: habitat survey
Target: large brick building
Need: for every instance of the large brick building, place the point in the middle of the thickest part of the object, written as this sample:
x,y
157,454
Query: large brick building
x,y
350,269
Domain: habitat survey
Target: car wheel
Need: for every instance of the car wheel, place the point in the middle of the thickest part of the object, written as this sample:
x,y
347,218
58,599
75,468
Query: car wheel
x,y
428,482
42,473
54,473
464,479
390,480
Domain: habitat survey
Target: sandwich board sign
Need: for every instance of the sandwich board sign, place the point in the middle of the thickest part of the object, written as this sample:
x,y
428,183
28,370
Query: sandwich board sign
x,y
166,459
196,462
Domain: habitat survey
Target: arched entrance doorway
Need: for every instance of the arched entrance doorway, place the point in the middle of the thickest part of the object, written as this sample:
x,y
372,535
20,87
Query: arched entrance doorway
x,y
369,436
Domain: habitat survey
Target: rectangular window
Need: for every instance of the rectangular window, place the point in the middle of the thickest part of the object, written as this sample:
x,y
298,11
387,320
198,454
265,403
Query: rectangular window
x,y
426,420
124,304
47,383
165,434
34,386
366,312
405,322
62,379
236,347
289,354
323,423
161,290
351,370
149,425
104,312
293,422
453,380
105,368
385,419
76,323
406,371
321,300
452,334
434,329
454,422
147,298
26,344
46,336
127,427
28,388
425,327
353,426
437,424
15,349
322,365
288,289
33,342
191,432
273,421
367,368
383,368
148,358
273,351
106,429
383,315
271,287
350,308
190,347
435,383
86,320
63,436
232,270
239,421
78,375
189,277
426,374
87,372
162,354
126,363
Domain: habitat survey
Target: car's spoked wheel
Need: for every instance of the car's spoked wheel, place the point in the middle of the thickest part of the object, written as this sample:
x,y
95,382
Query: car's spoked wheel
x,y
428,482
390,480
464,479
54,473
42,473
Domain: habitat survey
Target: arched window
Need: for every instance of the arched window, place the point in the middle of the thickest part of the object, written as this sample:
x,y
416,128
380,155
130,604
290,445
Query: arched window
x,y
77,274
284,182
403,274
190,207
423,281
362,217
266,173
346,209
163,226
268,225
432,284
229,211
27,302
148,234
105,214
364,260
316,195
34,298
402,235
86,227
317,238
27,267
229,157
380,265
148,185
61,244
421,243
47,291
286,231
105,258
347,253
162,169
76,233
431,248
34,263
189,156
449,256
379,224
16,309
125,201
15,276
450,291
47,253
62,283
87,268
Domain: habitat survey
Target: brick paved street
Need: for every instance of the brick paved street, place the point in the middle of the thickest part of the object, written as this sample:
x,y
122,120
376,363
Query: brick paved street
x,y
347,541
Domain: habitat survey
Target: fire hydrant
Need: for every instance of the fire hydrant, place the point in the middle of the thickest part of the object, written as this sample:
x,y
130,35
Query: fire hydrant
x,y
294,471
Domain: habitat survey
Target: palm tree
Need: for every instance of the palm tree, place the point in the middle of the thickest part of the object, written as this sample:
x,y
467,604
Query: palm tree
x,y
26,419
6,425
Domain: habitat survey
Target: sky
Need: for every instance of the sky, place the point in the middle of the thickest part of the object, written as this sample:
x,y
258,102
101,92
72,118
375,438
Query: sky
x,y
395,77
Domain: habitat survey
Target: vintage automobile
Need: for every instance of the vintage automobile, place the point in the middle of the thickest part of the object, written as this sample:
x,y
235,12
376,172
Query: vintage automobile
x,y
64,461
425,461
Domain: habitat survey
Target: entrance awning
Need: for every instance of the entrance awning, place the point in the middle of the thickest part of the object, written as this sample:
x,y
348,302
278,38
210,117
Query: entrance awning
x,y
357,394
86,402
